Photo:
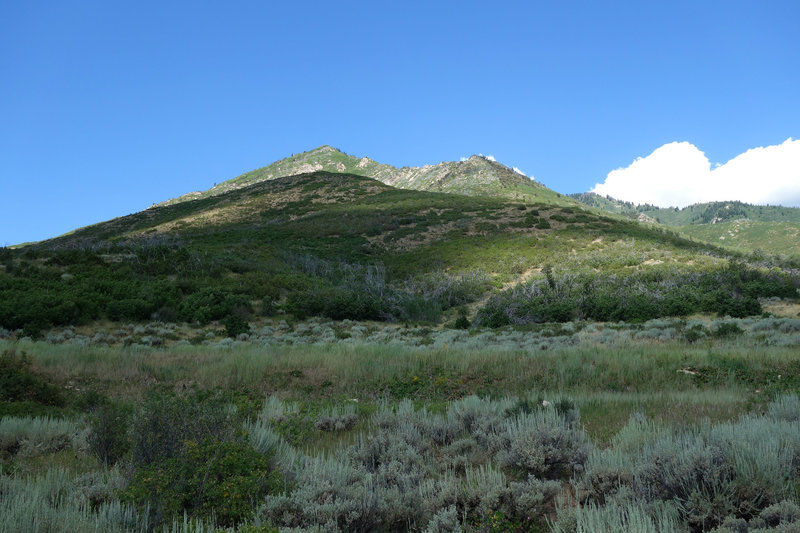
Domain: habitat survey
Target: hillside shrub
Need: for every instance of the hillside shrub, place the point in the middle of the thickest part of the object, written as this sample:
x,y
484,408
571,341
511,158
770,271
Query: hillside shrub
x,y
212,303
634,297
462,322
235,326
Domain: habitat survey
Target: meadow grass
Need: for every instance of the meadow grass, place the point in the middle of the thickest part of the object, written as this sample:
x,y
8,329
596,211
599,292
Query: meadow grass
x,y
483,410
677,382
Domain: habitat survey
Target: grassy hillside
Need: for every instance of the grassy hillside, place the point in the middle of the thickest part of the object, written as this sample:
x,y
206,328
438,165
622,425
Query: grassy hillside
x,y
352,218
476,176
749,235
346,246
736,225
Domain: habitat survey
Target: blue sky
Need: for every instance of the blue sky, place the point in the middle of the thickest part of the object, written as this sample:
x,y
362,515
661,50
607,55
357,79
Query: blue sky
x,y
108,107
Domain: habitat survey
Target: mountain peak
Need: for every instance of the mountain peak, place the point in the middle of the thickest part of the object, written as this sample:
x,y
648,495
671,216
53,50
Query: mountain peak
x,y
325,149
478,175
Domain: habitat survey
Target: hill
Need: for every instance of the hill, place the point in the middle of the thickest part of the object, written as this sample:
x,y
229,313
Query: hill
x,y
350,247
475,176
738,225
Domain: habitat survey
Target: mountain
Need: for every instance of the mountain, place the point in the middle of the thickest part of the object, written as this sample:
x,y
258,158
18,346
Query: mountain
x,y
354,218
738,225
348,246
476,176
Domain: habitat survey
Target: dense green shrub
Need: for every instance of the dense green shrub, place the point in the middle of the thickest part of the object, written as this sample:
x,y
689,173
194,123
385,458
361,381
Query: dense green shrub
x,y
419,309
337,303
19,383
212,303
728,329
109,438
207,478
635,297
128,309
190,456
165,421
462,322
235,326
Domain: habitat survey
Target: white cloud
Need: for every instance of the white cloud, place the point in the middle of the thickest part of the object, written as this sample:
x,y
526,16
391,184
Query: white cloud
x,y
491,158
518,171
679,174
463,159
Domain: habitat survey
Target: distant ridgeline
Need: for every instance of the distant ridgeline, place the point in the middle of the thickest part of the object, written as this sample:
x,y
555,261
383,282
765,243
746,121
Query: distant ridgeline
x,y
742,226
347,246
703,213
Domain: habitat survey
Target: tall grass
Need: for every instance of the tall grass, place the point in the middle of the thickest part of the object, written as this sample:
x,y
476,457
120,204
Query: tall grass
x,y
615,519
358,367
27,436
53,502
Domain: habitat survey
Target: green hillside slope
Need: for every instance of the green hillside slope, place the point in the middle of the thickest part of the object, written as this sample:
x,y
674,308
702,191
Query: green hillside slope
x,y
781,238
347,246
737,225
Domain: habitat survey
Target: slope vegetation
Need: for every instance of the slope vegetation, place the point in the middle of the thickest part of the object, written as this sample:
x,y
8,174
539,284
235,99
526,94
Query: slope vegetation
x,y
347,246
741,226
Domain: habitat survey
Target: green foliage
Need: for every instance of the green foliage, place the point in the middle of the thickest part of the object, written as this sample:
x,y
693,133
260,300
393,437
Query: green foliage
x,y
358,292
635,297
728,329
39,296
212,303
235,326
337,303
189,457
109,438
207,478
19,383
165,421
462,322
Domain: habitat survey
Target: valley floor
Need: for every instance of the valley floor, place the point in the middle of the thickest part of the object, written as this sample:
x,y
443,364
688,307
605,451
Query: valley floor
x,y
669,425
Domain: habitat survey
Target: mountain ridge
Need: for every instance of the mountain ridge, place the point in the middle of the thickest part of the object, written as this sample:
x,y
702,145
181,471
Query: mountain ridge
x,y
474,176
